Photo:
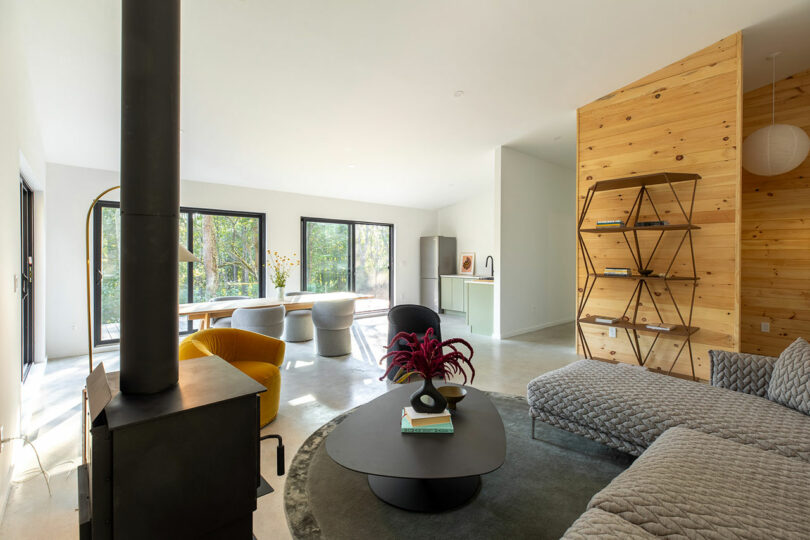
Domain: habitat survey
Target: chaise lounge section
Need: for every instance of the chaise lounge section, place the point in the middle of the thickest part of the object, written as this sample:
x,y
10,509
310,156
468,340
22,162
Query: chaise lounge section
x,y
628,407
726,460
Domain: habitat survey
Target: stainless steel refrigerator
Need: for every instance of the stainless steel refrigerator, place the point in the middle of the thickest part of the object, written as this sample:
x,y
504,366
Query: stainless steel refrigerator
x,y
437,257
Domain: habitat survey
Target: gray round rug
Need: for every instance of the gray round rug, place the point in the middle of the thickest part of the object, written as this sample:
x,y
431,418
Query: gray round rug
x,y
543,486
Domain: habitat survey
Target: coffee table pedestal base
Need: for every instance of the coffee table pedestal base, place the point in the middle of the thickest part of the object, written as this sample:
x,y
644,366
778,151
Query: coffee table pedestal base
x,y
418,495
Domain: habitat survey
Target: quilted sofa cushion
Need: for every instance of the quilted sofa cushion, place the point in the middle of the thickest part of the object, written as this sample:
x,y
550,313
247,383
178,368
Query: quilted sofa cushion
x,y
596,523
790,381
622,404
692,485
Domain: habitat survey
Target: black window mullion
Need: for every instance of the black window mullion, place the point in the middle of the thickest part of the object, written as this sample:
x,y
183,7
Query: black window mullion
x,y
190,276
350,284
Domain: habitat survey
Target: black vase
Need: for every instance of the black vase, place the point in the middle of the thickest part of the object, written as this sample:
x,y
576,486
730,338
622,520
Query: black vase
x,y
427,399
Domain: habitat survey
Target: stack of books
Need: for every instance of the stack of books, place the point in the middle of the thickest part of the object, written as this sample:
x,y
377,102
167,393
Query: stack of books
x,y
651,223
605,320
661,327
609,223
611,271
416,422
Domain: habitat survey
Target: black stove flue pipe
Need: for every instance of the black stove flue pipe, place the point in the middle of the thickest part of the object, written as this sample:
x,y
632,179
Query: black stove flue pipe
x,y
150,194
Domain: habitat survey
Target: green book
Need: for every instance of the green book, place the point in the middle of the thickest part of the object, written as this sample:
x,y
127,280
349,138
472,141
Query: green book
x,y
447,427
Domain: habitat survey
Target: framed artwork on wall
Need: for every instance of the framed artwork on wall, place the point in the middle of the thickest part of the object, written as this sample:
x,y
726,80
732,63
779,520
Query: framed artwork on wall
x,y
466,263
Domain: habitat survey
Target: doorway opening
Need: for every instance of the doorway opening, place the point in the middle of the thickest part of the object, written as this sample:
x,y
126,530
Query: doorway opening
x,y
27,275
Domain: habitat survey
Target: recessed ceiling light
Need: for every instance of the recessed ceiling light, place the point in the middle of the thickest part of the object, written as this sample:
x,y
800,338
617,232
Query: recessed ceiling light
x,y
352,165
458,93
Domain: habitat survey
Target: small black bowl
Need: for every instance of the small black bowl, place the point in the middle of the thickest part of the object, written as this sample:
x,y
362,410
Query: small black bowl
x,y
645,272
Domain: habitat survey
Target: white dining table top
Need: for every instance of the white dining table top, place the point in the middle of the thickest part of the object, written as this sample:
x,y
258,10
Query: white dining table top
x,y
303,301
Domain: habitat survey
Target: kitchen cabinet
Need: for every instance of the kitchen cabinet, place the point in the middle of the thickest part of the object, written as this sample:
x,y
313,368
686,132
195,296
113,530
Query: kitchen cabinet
x,y
480,306
453,297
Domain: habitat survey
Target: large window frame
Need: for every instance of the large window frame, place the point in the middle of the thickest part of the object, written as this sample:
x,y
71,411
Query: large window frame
x,y
189,212
351,251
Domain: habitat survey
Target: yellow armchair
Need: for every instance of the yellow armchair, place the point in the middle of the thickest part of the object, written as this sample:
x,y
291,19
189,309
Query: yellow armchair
x,y
254,354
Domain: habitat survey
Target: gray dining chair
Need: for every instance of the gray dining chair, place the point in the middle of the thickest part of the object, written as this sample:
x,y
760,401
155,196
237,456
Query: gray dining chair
x,y
224,322
298,323
268,321
332,320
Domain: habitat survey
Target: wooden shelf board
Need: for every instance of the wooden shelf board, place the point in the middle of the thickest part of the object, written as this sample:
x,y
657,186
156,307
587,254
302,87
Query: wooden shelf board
x,y
679,330
643,180
678,227
648,278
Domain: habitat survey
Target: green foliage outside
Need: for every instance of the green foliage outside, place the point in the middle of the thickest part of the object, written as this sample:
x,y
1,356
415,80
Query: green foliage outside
x,y
371,247
227,246
327,257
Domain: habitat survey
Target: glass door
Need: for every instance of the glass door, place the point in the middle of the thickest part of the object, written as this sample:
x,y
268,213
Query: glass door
x,y
340,256
27,275
372,265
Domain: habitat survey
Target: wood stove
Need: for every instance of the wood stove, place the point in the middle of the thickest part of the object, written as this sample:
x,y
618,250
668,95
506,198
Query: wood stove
x,y
175,447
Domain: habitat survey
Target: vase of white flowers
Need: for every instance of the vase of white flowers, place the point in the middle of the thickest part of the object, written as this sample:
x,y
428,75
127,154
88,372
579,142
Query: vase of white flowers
x,y
280,267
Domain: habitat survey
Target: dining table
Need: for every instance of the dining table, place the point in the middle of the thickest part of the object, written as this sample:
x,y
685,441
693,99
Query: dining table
x,y
206,311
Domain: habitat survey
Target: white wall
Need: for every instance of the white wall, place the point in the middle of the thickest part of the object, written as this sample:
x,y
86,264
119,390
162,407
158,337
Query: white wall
x,y
472,222
71,189
535,231
19,136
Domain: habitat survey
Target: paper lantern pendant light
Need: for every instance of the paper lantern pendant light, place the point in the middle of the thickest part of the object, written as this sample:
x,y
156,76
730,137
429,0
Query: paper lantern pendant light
x,y
775,149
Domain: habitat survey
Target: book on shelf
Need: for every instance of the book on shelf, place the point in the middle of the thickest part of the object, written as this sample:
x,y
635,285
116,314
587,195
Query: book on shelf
x,y
661,327
609,223
418,419
655,223
610,271
407,427
605,320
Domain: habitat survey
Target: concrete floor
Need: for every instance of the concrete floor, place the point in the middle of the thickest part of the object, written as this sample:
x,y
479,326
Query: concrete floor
x,y
313,390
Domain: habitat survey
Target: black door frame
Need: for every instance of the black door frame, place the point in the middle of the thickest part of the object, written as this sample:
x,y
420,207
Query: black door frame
x,y
351,254
26,276
189,212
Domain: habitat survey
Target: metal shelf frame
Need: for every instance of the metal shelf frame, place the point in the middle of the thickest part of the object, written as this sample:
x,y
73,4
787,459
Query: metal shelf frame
x,y
629,322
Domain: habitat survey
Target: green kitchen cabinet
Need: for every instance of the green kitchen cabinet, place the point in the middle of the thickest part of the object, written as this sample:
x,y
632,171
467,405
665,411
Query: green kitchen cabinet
x,y
480,307
458,294
453,294
446,299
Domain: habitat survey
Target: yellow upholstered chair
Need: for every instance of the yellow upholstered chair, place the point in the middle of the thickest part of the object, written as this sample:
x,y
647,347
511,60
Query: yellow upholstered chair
x,y
254,354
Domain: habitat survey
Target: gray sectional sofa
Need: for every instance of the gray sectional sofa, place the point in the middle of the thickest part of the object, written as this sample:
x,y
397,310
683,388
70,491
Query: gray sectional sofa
x,y
725,460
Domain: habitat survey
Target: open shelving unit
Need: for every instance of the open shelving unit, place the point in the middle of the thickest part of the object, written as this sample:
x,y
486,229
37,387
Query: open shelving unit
x,y
628,320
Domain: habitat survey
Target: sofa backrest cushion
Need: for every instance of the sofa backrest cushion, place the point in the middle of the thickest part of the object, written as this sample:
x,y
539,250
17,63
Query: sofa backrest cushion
x,y
790,382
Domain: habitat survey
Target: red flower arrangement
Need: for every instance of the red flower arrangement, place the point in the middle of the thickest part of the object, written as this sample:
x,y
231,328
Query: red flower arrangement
x,y
426,357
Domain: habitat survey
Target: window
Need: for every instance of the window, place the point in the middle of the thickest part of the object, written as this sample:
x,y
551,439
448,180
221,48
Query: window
x,y
348,256
230,246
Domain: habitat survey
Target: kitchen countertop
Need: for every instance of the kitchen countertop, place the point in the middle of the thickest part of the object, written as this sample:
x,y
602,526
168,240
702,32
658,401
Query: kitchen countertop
x,y
466,276
484,281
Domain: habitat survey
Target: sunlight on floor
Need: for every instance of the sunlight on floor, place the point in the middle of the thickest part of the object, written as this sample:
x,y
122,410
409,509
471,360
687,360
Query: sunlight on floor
x,y
309,398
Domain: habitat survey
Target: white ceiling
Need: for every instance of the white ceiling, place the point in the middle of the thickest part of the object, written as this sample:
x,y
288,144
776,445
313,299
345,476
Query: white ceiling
x,y
355,99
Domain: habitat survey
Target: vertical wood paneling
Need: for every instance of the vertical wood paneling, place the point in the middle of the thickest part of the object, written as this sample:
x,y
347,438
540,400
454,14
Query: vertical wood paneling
x,y
682,118
776,229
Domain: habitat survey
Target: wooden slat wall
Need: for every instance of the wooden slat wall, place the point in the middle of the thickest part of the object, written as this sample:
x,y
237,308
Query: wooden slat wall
x,y
683,118
776,229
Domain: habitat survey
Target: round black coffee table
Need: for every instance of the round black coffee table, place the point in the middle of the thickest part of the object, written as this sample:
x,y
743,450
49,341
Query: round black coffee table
x,y
422,472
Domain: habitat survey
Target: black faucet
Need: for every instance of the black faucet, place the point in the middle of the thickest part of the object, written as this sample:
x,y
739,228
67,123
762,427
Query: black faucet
x,y
492,268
